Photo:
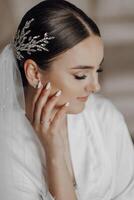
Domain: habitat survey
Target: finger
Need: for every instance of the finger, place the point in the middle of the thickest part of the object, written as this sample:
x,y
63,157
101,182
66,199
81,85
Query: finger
x,y
41,100
59,116
48,108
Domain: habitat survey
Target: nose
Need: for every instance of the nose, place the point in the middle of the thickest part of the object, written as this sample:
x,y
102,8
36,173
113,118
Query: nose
x,y
94,86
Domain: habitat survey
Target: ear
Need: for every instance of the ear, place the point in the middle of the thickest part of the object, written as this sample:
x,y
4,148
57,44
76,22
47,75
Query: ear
x,y
31,72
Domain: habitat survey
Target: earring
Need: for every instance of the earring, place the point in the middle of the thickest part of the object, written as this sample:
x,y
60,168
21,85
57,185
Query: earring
x,y
38,85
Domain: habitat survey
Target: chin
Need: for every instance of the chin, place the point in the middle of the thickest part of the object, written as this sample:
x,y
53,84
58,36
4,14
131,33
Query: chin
x,y
76,109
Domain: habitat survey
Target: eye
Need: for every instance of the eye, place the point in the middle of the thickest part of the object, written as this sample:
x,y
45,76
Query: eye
x,y
80,77
99,70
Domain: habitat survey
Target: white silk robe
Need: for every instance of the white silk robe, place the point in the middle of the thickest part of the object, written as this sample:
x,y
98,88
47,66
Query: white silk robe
x,y
101,149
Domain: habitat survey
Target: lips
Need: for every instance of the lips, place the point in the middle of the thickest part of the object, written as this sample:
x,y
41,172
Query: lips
x,y
82,98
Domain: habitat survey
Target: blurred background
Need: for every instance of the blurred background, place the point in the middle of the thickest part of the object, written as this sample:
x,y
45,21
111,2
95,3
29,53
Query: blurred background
x,y
116,21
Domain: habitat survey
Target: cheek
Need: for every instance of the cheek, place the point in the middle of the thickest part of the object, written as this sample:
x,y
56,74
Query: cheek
x,y
67,84
69,88
73,87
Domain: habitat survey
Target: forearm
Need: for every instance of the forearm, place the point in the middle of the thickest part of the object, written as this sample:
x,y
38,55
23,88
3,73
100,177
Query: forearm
x,y
59,180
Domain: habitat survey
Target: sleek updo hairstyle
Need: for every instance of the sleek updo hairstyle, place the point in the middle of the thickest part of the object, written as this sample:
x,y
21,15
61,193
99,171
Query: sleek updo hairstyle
x,y
61,19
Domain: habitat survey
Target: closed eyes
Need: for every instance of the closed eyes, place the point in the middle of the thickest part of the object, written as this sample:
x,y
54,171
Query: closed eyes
x,y
100,70
84,76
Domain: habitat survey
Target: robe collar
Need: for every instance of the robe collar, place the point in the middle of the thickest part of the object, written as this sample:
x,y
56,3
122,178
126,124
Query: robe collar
x,y
90,160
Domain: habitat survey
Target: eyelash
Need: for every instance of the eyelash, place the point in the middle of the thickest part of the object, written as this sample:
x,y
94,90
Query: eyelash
x,y
84,76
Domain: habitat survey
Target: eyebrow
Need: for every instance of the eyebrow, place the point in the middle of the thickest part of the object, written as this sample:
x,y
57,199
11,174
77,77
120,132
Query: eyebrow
x,y
86,67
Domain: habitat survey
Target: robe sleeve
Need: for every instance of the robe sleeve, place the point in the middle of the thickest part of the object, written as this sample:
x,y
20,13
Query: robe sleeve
x,y
16,178
20,172
124,175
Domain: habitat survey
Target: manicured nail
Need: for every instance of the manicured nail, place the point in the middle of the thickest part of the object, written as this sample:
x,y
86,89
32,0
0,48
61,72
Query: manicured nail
x,y
58,93
39,85
67,104
48,86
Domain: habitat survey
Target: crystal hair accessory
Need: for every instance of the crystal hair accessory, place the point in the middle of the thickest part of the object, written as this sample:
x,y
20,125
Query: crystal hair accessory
x,y
34,43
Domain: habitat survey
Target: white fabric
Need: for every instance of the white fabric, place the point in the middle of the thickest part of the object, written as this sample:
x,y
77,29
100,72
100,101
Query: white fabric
x,y
101,150
11,88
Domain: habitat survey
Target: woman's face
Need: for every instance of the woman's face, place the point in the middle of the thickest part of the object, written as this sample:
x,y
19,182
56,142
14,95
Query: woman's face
x,y
65,73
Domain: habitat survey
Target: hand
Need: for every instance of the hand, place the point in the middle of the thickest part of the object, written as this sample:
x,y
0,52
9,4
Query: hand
x,y
48,131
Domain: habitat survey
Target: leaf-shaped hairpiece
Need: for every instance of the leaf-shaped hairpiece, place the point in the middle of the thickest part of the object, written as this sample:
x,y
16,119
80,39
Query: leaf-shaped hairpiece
x,y
34,43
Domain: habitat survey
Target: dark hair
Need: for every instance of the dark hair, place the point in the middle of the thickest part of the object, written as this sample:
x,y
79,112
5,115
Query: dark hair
x,y
61,19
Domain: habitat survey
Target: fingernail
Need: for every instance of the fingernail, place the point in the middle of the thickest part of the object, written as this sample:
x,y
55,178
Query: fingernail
x,y
67,104
48,86
58,93
39,85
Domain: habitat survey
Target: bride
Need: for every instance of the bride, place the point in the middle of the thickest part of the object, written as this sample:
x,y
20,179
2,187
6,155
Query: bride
x,y
58,139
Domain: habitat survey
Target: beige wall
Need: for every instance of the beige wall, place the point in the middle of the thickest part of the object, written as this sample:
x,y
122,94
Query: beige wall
x,y
115,19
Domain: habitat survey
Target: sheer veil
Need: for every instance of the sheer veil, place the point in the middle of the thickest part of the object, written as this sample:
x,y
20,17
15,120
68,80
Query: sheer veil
x,y
18,142
11,87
